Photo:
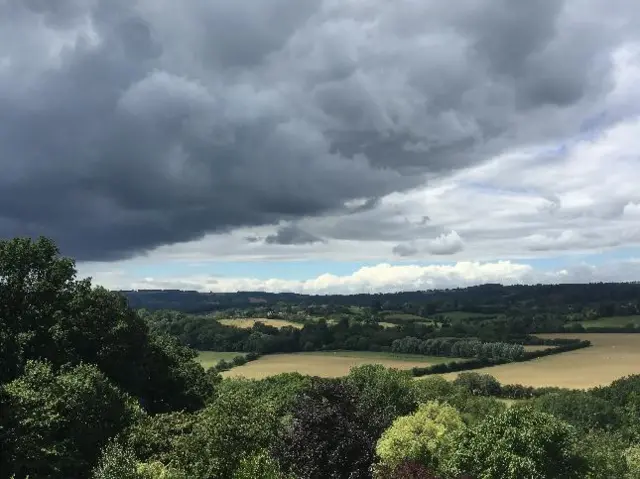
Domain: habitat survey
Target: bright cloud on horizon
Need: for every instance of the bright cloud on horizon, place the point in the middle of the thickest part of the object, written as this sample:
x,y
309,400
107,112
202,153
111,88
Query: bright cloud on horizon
x,y
441,144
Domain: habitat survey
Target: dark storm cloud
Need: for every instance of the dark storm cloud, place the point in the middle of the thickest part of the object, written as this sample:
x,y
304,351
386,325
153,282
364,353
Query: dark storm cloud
x,y
404,250
126,125
291,235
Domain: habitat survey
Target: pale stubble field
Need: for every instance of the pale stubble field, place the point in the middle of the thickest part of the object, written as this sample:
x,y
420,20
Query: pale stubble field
x,y
611,356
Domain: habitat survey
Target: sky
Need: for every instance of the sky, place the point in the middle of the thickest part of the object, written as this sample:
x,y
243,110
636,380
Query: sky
x,y
324,146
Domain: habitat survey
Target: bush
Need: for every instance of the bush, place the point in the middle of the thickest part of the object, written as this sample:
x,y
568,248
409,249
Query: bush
x,y
478,384
426,437
521,442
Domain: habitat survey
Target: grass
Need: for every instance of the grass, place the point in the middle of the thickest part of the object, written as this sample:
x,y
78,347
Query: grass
x,y
401,316
328,363
611,322
211,358
611,356
249,322
387,325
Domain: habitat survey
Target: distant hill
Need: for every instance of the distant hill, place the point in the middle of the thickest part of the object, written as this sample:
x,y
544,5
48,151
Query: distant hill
x,y
608,298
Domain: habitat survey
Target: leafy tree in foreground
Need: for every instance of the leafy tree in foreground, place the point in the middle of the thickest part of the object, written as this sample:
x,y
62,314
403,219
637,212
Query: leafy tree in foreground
x,y
46,314
426,437
59,423
632,458
602,452
326,438
116,462
478,384
520,443
431,388
259,465
154,438
581,409
231,428
382,395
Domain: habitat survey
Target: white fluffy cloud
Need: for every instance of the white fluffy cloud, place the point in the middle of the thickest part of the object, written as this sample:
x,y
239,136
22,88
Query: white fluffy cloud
x,y
388,278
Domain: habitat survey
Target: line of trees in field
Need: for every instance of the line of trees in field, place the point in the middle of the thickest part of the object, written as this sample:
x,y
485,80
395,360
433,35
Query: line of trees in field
x,y
205,333
88,390
239,360
483,362
460,348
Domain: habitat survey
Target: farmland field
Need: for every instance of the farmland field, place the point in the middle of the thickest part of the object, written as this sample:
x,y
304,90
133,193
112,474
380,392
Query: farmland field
x,y
610,357
328,364
211,358
249,322
462,315
612,322
401,316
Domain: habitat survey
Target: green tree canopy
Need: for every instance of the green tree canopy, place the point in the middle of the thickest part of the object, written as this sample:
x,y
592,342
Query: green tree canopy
x,y
426,437
520,443
58,423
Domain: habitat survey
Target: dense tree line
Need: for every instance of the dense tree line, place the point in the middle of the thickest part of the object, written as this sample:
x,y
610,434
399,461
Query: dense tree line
x,y
205,333
580,301
483,362
88,390
458,348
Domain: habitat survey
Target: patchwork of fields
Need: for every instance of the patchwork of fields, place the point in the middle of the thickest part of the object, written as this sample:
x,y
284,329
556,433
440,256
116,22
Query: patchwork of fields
x,y
610,357
327,364
249,322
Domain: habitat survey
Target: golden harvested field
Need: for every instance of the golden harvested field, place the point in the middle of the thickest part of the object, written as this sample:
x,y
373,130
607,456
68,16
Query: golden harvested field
x,y
611,356
249,322
327,364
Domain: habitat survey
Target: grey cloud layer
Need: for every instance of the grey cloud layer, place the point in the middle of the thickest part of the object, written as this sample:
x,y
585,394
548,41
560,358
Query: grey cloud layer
x,y
127,125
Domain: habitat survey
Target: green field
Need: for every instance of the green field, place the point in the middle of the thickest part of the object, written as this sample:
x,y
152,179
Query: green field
x,y
328,363
401,316
462,315
388,325
211,358
611,322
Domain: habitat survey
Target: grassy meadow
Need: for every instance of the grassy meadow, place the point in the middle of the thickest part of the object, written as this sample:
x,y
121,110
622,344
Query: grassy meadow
x,y
610,357
612,322
211,358
328,363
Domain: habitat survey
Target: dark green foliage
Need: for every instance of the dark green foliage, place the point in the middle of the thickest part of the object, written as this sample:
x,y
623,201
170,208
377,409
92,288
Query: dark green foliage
x,y
624,393
433,388
604,455
236,425
478,384
279,392
46,314
381,395
405,470
326,438
581,409
540,302
58,423
259,465
154,437
521,443
461,348
475,409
